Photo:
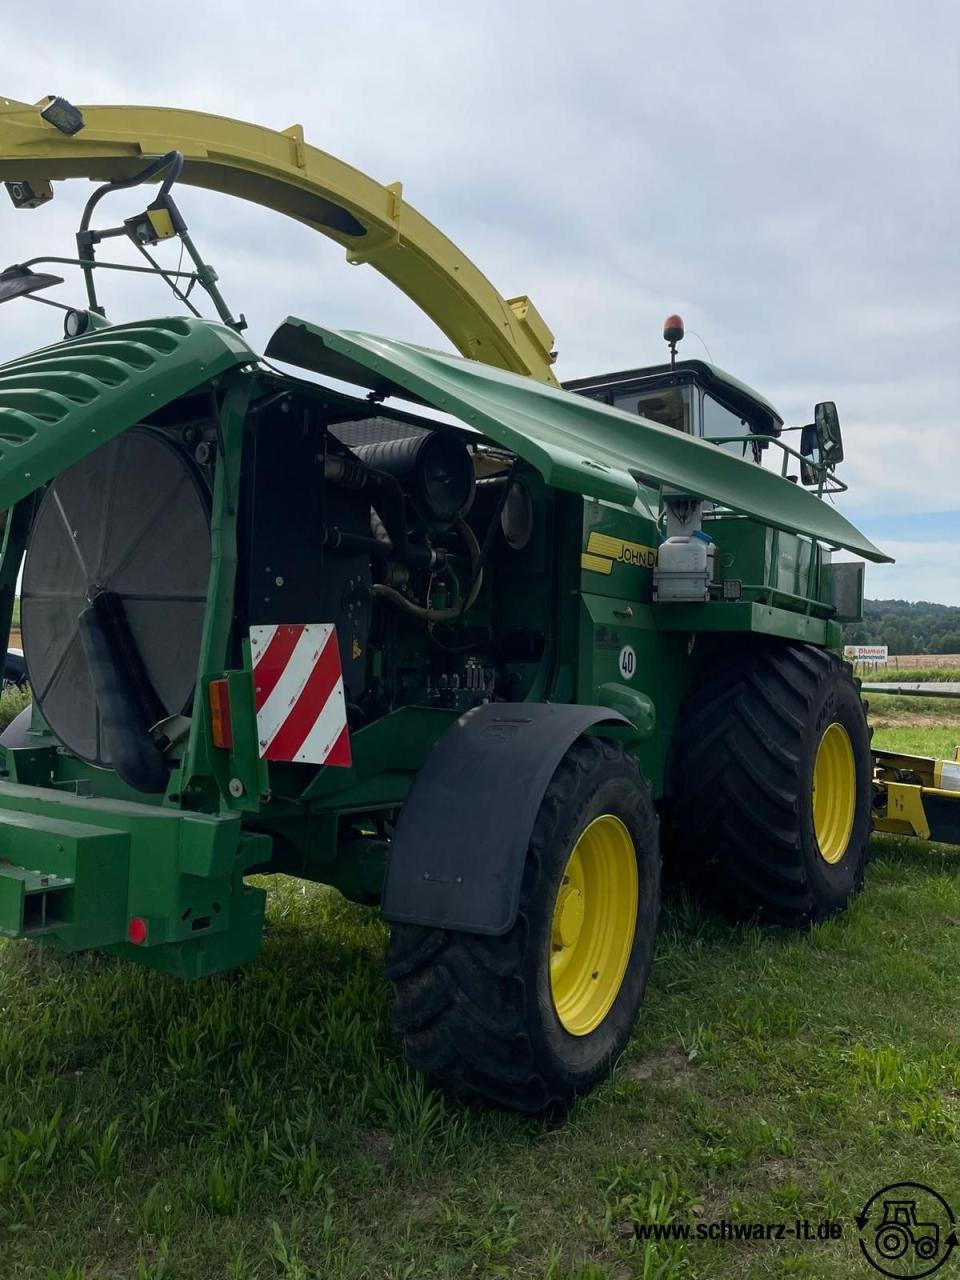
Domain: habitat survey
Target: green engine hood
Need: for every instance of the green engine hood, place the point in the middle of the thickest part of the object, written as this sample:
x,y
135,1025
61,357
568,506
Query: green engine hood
x,y
60,403
575,443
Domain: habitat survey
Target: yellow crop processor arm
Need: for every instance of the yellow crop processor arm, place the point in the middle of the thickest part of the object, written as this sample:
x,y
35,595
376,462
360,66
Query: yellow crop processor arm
x,y
52,140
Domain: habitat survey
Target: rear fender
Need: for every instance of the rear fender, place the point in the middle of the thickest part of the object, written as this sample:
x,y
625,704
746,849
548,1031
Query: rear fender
x,y
457,856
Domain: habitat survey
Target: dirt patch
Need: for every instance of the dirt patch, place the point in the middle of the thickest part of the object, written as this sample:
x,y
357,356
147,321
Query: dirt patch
x,y
376,1145
773,1171
717,1204
668,1066
917,719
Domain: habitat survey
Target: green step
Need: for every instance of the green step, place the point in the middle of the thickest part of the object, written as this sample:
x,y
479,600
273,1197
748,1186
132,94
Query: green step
x,y
62,879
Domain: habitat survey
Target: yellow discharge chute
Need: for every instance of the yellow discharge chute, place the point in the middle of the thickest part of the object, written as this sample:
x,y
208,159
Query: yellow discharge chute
x,y
281,171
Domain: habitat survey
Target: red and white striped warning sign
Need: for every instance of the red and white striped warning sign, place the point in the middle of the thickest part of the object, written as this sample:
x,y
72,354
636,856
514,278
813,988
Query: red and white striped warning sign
x,y
298,693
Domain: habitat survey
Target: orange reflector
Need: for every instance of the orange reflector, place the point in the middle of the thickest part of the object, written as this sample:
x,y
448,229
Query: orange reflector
x,y
221,726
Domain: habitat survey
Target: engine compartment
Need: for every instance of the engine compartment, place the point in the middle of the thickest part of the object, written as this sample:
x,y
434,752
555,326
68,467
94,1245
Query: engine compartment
x,y
402,533
429,549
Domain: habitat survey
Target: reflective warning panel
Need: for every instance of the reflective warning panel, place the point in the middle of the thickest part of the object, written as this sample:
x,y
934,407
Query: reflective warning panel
x,y
298,693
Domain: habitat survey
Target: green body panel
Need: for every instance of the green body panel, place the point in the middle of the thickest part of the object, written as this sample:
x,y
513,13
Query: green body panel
x,y
77,895
587,447
58,404
650,698
386,756
772,566
617,613
182,873
739,615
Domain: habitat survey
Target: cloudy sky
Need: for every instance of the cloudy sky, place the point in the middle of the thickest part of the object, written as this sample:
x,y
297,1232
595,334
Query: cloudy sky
x,y
786,177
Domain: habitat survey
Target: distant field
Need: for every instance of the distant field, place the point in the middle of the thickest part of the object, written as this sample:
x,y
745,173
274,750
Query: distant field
x,y
920,666
926,660
907,661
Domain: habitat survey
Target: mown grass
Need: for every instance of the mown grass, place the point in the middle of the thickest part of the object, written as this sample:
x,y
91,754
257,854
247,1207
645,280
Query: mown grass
x,y
263,1124
916,725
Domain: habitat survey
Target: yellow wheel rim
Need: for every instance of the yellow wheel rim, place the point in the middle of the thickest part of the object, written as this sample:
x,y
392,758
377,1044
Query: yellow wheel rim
x,y
834,792
594,919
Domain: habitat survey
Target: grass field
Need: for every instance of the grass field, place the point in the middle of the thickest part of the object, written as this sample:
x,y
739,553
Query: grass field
x,y
264,1125
908,661
941,673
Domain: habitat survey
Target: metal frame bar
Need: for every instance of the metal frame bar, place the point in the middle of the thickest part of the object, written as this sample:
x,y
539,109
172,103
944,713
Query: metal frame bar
x,y
196,774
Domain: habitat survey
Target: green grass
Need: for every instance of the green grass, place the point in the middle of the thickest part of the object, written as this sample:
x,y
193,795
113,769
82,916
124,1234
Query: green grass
x,y
916,726
891,673
12,702
263,1124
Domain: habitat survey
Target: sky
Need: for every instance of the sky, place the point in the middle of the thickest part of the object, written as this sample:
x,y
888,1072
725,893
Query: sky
x,y
785,177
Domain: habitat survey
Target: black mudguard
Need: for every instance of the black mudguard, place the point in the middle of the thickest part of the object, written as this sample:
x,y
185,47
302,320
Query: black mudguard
x,y
457,856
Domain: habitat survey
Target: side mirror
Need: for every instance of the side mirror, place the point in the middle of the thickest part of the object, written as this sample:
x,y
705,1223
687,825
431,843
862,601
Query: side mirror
x,y
827,424
821,444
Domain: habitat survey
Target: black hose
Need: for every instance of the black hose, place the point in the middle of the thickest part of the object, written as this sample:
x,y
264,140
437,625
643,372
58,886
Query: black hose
x,y
173,161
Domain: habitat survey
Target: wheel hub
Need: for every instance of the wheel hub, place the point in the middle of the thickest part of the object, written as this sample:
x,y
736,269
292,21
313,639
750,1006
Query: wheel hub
x,y
834,792
593,925
567,917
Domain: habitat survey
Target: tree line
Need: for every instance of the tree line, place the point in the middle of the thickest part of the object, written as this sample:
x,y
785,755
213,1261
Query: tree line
x,y
907,626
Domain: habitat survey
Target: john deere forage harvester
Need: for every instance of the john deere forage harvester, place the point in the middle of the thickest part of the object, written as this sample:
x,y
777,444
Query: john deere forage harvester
x,y
477,668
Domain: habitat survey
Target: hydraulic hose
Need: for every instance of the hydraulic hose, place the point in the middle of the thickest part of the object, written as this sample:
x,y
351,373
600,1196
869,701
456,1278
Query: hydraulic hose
x,y
441,615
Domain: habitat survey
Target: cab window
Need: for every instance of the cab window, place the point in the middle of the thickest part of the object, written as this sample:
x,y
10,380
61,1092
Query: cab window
x,y
670,406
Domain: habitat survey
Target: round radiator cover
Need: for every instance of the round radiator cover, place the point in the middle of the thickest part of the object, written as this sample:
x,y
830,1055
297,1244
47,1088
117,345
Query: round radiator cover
x,y
132,518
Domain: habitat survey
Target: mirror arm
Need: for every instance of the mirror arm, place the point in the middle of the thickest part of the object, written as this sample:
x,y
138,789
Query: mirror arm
x,y
48,302
109,266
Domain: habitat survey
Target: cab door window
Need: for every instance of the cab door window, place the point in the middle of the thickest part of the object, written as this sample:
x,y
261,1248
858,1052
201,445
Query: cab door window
x,y
719,421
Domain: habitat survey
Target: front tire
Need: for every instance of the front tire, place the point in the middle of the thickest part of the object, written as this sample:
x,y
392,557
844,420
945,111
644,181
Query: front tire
x,y
771,784
536,1017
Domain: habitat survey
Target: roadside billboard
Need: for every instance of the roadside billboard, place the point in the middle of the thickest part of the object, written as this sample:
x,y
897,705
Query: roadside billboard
x,y
865,652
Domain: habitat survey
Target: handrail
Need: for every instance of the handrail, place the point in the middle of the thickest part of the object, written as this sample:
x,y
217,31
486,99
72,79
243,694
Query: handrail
x,y
822,470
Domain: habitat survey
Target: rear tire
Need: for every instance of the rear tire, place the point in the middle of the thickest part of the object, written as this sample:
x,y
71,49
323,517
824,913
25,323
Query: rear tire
x,y
771,784
480,1015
